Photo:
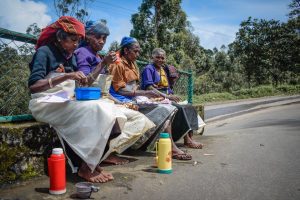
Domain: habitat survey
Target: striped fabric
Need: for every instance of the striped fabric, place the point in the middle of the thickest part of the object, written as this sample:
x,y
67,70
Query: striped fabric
x,y
66,23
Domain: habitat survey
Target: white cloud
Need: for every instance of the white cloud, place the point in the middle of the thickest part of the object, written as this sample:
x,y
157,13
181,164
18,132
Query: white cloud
x,y
118,31
119,26
216,22
214,35
17,15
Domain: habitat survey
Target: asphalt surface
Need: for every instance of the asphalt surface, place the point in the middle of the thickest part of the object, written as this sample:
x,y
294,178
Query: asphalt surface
x,y
251,156
224,110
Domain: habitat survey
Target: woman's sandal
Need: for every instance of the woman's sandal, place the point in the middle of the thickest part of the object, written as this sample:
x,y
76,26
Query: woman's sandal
x,y
194,145
182,156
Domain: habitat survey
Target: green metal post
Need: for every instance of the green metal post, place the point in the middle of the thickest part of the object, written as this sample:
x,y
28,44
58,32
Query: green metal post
x,y
21,37
190,87
16,118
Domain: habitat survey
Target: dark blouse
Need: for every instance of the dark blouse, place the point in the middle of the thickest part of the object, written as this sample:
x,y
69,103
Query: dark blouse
x,y
47,59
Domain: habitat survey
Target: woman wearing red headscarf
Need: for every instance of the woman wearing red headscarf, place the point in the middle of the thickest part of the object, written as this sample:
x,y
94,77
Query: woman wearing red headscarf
x,y
55,48
85,126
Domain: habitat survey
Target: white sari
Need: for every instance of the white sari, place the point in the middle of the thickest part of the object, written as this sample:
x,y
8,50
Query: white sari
x,y
86,125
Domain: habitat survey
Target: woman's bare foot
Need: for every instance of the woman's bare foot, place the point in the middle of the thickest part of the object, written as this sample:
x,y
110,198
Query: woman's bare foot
x,y
176,152
95,176
190,143
193,145
106,174
179,154
115,160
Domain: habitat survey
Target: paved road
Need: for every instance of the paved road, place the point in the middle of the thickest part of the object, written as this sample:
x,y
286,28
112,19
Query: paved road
x,y
252,156
228,109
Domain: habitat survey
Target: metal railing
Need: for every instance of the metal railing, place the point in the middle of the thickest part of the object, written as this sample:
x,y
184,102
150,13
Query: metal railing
x,y
16,51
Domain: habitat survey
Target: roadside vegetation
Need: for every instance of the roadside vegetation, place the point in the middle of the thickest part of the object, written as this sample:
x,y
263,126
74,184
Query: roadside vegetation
x,y
263,59
255,92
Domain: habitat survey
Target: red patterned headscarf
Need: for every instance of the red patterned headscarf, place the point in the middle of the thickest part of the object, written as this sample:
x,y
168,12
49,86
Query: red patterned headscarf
x,y
66,23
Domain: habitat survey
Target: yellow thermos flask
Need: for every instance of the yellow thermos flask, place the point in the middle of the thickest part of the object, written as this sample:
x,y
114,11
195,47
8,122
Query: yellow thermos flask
x,y
164,154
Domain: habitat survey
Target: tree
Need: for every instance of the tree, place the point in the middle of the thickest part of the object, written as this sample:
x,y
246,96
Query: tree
x,y
164,24
293,27
114,46
268,50
75,8
33,29
294,7
14,96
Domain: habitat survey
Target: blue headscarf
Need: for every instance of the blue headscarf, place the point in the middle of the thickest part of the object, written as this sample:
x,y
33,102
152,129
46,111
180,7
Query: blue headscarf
x,y
96,28
127,40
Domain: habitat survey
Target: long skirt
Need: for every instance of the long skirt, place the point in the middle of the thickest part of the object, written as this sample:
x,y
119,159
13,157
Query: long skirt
x,y
86,125
185,120
158,114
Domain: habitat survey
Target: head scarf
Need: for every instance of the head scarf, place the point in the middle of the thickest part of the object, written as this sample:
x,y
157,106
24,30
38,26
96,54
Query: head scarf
x,y
127,40
96,28
66,23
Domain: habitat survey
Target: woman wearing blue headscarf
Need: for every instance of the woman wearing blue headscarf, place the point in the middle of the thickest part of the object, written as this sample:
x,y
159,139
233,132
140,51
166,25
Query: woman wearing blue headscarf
x,y
90,63
87,57
125,88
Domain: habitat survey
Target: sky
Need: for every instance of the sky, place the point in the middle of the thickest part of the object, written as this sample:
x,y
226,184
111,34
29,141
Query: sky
x,y
214,21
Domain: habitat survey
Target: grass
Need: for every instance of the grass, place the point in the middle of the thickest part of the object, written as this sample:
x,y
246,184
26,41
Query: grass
x,y
256,92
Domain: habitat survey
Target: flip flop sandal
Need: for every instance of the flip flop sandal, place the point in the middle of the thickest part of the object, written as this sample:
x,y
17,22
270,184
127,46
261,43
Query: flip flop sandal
x,y
182,156
184,150
200,146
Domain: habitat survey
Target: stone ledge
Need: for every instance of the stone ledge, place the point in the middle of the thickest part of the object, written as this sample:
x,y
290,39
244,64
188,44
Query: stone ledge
x,y
200,109
24,147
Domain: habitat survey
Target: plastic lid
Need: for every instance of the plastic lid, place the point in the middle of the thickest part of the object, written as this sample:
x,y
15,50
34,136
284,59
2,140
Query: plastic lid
x,y
164,135
88,89
57,151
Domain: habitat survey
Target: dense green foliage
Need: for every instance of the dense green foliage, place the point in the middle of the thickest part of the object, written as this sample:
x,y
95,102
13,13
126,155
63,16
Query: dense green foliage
x,y
161,23
268,50
254,92
74,8
14,72
263,52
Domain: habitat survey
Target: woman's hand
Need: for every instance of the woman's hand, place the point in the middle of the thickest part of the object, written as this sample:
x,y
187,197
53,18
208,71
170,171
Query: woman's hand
x,y
173,98
78,76
109,58
151,94
131,106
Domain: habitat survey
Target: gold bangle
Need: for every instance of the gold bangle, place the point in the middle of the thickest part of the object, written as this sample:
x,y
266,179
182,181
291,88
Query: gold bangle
x,y
50,82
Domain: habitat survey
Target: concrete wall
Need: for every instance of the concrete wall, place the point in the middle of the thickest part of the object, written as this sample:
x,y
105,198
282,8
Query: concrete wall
x,y
24,147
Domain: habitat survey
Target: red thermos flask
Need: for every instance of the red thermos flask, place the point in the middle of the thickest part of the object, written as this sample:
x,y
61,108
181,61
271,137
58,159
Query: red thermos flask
x,y
57,171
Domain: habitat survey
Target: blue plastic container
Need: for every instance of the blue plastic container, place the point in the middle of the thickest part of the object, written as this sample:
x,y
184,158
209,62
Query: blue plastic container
x,y
87,93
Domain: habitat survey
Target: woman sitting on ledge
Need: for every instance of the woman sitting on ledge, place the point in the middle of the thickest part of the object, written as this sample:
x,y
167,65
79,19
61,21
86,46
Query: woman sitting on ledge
x,y
125,89
155,78
89,62
84,125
